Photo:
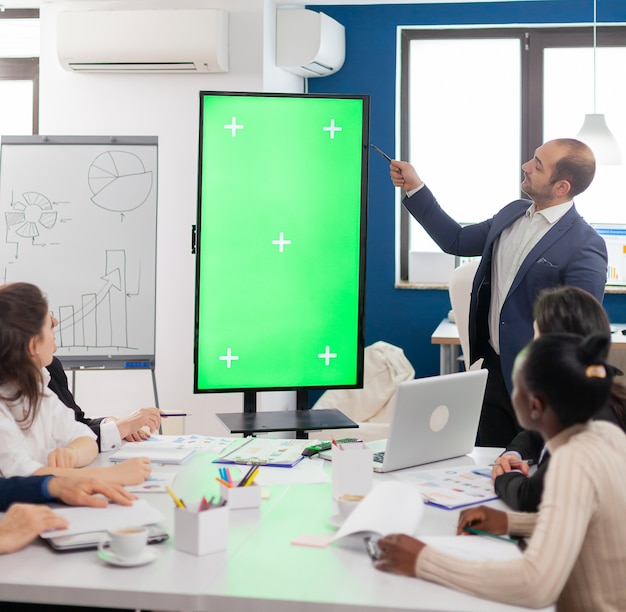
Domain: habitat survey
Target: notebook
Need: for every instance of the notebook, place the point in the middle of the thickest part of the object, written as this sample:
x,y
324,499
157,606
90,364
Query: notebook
x,y
165,456
434,418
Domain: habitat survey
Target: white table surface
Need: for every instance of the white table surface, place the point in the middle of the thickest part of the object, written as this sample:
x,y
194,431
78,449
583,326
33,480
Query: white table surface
x,y
261,571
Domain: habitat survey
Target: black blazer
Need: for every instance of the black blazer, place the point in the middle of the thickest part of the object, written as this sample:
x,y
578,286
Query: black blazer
x,y
58,384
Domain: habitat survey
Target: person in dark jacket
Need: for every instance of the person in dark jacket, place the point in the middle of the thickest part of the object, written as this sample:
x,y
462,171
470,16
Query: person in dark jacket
x,y
110,431
561,309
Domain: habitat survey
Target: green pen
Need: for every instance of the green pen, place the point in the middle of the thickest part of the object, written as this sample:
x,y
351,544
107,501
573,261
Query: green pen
x,y
490,535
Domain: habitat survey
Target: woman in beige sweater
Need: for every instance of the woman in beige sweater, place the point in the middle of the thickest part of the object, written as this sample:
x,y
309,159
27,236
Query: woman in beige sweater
x,y
575,555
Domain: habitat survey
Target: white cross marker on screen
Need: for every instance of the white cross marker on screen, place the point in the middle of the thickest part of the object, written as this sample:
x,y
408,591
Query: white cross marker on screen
x,y
281,242
228,357
327,355
332,129
233,127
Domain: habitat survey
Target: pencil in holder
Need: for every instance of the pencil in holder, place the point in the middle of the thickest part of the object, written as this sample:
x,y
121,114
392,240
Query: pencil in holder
x,y
241,497
200,532
352,471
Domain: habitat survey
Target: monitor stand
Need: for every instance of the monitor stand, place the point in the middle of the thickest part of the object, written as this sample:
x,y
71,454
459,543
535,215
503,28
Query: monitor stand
x,y
300,420
249,400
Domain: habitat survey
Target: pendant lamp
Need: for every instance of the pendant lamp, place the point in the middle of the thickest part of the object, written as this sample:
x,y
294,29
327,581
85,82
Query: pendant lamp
x,y
595,131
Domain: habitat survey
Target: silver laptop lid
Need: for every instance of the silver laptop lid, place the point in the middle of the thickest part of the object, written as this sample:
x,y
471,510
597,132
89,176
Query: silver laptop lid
x,y
434,418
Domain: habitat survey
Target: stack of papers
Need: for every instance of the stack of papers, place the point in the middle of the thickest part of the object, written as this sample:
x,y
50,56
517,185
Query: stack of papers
x,y
390,507
86,520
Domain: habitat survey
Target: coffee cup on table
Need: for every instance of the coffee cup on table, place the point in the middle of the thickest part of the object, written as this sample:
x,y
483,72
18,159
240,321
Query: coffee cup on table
x,y
347,503
126,543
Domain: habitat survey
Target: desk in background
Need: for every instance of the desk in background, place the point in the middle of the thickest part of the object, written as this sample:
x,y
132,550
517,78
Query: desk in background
x,y
261,570
447,337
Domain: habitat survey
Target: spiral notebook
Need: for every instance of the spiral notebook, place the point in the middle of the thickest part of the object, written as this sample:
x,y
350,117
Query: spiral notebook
x,y
165,456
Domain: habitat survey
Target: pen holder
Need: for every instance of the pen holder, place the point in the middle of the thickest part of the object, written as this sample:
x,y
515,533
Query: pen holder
x,y
352,471
241,497
200,533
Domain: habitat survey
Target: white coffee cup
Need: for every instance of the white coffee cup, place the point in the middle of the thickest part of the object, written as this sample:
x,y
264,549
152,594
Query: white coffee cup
x,y
126,543
347,503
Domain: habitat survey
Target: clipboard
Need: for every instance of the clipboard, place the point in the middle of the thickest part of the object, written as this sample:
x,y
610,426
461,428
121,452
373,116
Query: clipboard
x,y
274,452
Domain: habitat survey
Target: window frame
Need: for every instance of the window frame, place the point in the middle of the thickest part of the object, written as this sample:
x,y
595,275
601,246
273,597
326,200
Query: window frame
x,y
22,68
533,41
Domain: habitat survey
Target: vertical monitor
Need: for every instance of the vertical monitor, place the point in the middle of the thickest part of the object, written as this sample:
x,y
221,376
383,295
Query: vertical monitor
x,y
280,241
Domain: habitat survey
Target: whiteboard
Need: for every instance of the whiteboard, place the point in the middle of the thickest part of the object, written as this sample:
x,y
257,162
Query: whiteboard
x,y
78,219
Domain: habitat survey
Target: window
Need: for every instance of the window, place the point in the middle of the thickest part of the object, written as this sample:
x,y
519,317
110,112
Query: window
x,y
475,104
19,72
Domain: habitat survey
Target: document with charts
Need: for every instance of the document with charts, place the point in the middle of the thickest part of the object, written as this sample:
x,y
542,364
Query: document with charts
x,y
155,483
452,487
172,450
201,444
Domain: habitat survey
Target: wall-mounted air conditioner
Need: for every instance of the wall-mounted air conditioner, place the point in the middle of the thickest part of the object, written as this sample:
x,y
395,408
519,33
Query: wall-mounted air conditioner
x,y
308,43
177,40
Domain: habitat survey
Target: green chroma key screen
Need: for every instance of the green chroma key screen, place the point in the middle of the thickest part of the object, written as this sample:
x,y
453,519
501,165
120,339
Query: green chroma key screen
x,y
280,241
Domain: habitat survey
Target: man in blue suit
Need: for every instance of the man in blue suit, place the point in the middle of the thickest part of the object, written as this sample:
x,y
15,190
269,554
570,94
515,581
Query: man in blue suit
x,y
527,246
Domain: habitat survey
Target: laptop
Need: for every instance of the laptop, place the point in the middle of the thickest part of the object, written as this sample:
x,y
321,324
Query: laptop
x,y
434,418
85,541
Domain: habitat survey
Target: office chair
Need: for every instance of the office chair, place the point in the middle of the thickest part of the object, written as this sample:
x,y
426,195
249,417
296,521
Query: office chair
x,y
385,366
460,289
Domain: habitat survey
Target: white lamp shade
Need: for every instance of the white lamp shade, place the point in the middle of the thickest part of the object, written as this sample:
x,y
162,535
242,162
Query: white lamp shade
x,y
597,135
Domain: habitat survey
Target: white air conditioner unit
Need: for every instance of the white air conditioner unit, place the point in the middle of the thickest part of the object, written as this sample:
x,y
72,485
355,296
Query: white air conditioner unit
x,y
143,40
308,43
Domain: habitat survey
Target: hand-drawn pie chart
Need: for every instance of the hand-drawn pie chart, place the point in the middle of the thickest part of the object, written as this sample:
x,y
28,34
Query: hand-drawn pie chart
x,y
119,181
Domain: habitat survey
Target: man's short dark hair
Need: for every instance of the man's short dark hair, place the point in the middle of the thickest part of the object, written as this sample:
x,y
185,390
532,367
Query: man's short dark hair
x,y
577,166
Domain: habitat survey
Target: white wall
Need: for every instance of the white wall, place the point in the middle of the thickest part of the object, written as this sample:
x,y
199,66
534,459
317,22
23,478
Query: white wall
x,y
166,106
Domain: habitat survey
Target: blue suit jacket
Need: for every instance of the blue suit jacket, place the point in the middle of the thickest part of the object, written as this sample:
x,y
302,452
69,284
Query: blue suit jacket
x,y
571,253
24,489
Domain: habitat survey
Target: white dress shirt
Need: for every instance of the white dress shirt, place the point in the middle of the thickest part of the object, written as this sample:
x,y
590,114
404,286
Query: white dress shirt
x,y
509,251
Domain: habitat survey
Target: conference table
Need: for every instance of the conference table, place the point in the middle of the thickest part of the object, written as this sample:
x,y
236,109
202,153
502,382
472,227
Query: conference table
x,y
261,570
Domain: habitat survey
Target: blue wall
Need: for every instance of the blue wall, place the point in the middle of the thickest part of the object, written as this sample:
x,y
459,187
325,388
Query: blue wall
x,y
406,317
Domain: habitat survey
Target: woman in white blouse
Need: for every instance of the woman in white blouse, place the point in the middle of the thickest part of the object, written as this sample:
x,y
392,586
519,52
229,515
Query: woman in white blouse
x,y
38,434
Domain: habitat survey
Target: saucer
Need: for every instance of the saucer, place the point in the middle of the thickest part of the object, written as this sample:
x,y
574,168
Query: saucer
x,y
147,556
336,520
